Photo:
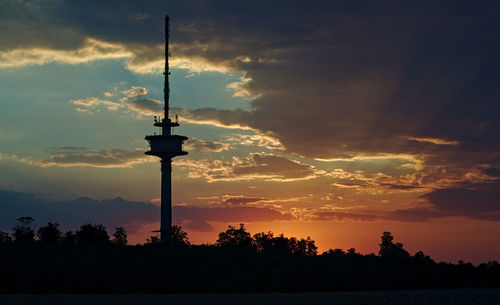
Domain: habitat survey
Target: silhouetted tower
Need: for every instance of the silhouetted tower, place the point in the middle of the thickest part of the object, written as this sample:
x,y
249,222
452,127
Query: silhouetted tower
x,y
166,146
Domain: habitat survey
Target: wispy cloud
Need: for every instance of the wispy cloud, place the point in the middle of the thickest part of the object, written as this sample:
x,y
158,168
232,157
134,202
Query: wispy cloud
x,y
329,215
194,144
436,141
145,106
111,158
257,166
240,200
132,100
135,91
242,89
91,104
91,50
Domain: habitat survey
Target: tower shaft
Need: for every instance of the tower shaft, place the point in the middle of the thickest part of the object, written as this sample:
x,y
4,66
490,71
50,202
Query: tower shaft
x,y
166,201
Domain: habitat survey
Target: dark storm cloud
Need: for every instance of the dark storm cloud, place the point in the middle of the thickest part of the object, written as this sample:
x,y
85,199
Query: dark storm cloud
x,y
492,172
345,79
73,213
341,77
477,201
418,214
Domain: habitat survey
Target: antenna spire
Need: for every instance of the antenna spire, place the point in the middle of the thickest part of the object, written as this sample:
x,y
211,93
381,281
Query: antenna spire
x,y
166,88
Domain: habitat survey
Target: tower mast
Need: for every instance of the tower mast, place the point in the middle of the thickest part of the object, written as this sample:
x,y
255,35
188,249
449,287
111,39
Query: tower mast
x,y
166,146
166,87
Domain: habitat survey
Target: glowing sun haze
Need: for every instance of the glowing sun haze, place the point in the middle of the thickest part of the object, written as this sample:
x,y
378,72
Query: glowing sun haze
x,y
337,120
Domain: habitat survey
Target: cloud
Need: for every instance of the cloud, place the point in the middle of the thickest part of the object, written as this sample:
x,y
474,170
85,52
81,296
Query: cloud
x,y
379,98
341,84
199,218
260,140
479,201
198,64
234,119
133,100
418,178
318,216
146,106
71,214
241,89
241,200
91,50
435,141
491,171
193,144
471,200
415,214
274,166
110,158
135,92
93,103
376,182
256,166
399,186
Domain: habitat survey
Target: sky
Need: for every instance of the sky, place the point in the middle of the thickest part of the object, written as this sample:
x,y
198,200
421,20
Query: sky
x,y
337,120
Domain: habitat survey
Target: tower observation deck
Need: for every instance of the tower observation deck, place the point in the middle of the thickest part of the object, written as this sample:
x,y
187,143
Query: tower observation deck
x,y
166,146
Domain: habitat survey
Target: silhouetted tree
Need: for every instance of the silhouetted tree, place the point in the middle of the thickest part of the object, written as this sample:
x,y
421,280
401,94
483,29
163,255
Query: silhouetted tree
x,y
234,237
302,246
420,256
263,242
390,249
334,252
92,234
5,238
24,230
352,252
311,248
68,238
49,233
281,244
179,236
266,243
120,237
153,239
280,264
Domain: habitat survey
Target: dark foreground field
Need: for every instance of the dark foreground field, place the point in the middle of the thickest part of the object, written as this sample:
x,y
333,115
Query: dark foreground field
x,y
424,297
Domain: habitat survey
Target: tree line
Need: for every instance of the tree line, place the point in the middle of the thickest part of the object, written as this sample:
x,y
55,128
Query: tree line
x,y
89,260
